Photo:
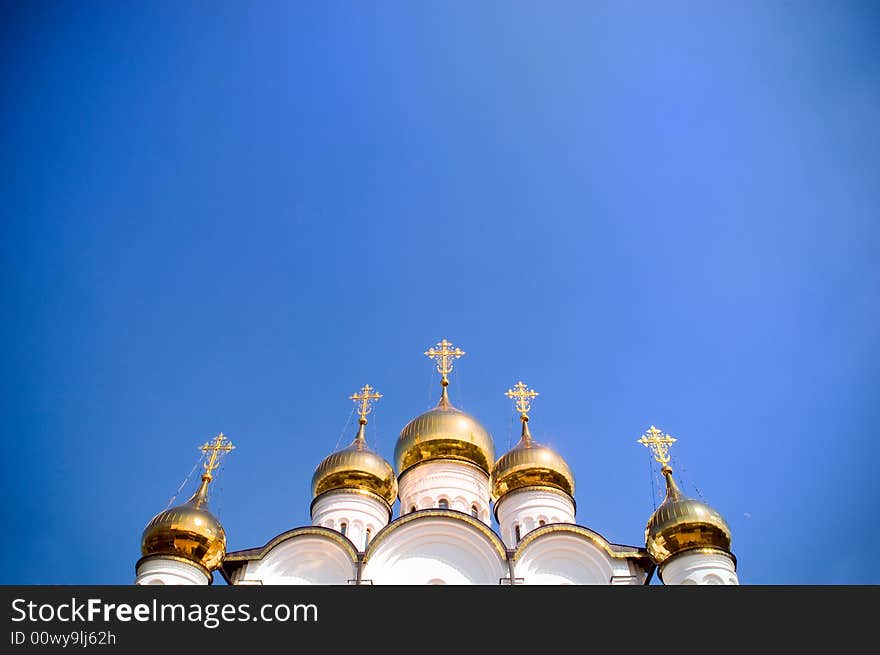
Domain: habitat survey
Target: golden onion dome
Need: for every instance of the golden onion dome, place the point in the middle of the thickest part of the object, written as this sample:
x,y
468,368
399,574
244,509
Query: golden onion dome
x,y
189,531
681,524
529,464
444,432
356,467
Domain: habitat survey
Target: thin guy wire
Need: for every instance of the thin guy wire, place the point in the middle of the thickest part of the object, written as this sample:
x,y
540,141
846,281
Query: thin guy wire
x,y
344,429
185,480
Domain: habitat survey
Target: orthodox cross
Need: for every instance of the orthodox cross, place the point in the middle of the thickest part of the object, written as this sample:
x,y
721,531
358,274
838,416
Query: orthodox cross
x,y
444,356
521,394
220,445
659,444
365,398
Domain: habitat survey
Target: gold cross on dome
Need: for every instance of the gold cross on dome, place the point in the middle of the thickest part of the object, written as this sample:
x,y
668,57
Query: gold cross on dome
x,y
522,395
220,445
444,356
659,444
365,398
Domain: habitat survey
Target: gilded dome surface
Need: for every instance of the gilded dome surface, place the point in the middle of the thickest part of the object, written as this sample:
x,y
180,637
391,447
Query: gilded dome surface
x,y
356,467
189,531
530,464
682,523
444,432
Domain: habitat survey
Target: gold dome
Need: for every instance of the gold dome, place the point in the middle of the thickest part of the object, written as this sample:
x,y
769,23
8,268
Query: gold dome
x,y
529,464
681,524
444,432
356,467
188,530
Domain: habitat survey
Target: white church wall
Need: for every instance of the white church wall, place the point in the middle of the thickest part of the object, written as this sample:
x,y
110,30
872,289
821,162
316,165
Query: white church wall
x,y
436,549
556,558
460,484
358,512
170,571
527,508
699,567
302,559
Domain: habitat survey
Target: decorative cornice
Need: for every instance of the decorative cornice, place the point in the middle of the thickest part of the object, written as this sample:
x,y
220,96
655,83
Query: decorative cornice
x,y
447,460
231,560
399,522
553,490
313,530
359,492
579,530
176,558
697,549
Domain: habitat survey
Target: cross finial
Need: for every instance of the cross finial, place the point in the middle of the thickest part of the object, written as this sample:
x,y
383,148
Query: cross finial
x,y
521,394
219,445
444,356
365,398
659,444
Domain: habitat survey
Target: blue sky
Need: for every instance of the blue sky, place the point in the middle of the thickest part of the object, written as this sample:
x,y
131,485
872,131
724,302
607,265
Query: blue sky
x,y
229,217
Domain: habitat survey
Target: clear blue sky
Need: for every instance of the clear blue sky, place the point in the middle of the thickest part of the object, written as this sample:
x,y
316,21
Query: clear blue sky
x,y
230,216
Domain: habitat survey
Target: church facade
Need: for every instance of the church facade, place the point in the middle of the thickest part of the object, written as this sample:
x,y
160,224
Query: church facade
x,y
450,486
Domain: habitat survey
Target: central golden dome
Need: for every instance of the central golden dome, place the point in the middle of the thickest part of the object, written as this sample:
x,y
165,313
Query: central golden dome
x,y
189,531
681,524
356,467
529,464
444,432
